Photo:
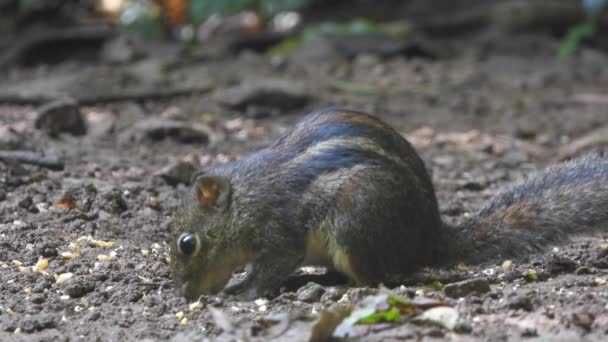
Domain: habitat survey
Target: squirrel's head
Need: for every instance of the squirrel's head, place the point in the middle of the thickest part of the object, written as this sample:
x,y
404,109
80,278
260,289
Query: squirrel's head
x,y
199,259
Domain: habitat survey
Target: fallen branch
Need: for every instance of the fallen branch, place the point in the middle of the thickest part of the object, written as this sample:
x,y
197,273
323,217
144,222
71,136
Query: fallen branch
x,y
137,95
592,139
22,47
28,157
372,89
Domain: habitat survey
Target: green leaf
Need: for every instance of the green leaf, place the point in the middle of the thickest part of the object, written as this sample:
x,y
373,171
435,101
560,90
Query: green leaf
x,y
269,8
200,10
391,316
361,26
395,300
355,26
24,5
287,46
575,37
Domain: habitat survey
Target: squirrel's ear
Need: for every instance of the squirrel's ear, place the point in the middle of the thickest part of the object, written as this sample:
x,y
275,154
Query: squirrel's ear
x,y
212,191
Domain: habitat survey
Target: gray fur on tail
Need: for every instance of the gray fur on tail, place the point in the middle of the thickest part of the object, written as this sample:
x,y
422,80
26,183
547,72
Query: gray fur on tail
x,y
537,213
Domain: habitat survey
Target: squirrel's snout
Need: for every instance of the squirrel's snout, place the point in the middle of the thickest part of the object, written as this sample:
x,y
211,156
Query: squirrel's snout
x,y
186,290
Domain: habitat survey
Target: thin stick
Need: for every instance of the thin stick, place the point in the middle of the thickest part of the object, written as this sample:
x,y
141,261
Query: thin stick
x,y
28,157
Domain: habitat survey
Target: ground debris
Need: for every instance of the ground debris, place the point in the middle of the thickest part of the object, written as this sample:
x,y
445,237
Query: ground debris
x,y
462,288
267,93
60,116
49,161
152,130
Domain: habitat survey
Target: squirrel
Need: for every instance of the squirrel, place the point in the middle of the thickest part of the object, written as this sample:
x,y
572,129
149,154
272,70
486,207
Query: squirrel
x,y
343,189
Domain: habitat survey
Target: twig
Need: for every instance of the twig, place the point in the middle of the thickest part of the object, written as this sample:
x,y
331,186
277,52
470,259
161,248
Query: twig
x,y
371,89
28,157
594,138
137,95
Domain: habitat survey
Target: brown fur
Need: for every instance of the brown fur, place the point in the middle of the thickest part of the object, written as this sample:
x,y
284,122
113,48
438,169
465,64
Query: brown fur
x,y
344,190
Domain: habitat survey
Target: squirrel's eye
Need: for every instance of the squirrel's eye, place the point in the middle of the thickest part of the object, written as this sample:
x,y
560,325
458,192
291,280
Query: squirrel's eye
x,y
188,244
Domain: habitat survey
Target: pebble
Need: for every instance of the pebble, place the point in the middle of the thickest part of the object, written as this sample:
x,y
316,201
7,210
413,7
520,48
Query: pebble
x,y
39,322
583,319
560,264
332,294
79,288
517,301
466,287
60,116
310,293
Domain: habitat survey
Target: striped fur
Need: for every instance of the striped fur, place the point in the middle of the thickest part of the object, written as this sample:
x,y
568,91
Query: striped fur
x,y
344,190
544,210
339,186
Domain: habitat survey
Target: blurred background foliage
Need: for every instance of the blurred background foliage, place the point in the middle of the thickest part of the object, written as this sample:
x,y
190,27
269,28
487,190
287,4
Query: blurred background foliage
x,y
150,15
195,20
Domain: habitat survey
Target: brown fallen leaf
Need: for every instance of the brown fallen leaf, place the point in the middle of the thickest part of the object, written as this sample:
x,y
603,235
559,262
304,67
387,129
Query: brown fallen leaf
x,y
66,202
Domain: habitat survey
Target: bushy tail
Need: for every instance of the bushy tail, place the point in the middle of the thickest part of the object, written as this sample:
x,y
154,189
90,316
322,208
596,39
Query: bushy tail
x,y
536,214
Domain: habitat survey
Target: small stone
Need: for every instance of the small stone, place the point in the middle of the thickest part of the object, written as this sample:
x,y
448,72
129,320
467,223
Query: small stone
x,y
60,116
114,202
529,332
463,328
496,294
355,295
38,298
526,132
472,185
79,288
583,319
583,270
48,250
38,322
26,202
516,302
466,287
444,316
310,293
560,264
332,294
93,316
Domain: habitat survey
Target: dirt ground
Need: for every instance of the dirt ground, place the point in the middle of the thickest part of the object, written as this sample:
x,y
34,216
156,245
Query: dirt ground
x,y
480,119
